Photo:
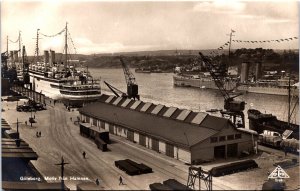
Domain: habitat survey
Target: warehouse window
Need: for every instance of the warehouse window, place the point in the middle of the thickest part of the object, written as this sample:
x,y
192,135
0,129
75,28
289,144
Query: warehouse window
x,y
222,138
214,139
238,136
230,137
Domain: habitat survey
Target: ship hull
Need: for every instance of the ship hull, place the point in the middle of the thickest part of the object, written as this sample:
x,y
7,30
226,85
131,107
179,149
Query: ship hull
x,y
208,83
51,88
267,90
205,83
260,122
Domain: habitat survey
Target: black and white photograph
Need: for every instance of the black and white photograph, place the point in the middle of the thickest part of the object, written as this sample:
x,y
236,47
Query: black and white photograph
x,y
149,95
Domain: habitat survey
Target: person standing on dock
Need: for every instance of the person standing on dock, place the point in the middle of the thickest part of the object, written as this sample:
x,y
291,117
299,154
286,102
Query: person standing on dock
x,y
97,182
83,154
121,181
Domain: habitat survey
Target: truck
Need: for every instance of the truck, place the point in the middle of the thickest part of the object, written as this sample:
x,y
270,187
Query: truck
x,y
270,138
280,141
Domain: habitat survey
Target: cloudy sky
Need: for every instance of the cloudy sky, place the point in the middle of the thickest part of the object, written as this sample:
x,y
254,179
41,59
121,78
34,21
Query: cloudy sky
x,y
107,27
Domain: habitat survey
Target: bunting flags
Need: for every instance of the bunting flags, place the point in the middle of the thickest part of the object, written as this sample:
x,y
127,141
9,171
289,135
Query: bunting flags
x,y
54,34
266,41
72,42
224,45
14,41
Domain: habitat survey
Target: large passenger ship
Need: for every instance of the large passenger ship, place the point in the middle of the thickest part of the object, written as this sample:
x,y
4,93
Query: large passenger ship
x,y
62,81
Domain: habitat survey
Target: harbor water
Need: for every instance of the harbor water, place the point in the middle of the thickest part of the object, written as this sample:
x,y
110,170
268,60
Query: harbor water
x,y
158,88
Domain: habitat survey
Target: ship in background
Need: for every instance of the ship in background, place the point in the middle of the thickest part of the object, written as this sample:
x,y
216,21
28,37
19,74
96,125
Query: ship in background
x,y
203,80
61,80
270,83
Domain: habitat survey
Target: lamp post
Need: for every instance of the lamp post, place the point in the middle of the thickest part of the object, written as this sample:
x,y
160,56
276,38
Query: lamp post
x,y
62,169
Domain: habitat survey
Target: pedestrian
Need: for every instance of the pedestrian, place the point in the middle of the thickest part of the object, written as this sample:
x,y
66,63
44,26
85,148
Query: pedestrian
x,y
97,181
121,181
26,123
83,154
285,151
40,134
37,134
34,116
71,118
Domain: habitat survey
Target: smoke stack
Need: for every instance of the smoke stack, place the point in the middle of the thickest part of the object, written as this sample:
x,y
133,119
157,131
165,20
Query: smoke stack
x,y
244,71
11,55
16,56
258,70
46,56
52,56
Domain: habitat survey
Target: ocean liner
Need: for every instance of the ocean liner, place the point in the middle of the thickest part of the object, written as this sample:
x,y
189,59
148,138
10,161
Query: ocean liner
x,y
61,81
261,86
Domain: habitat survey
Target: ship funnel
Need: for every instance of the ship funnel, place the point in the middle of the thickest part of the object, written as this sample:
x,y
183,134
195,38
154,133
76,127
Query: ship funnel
x,y
16,57
11,55
46,56
258,70
52,56
244,71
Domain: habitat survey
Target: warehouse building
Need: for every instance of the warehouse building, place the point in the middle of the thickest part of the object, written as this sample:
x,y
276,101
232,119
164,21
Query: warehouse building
x,y
179,133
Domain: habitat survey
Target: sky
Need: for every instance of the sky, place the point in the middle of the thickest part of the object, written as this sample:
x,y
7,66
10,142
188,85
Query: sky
x,y
108,27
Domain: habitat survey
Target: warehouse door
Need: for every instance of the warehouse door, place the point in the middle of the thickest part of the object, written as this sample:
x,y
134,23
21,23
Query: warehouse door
x,y
232,150
111,129
142,140
95,122
130,135
155,145
102,124
219,151
169,150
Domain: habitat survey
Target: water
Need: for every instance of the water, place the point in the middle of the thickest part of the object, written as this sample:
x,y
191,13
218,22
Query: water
x,y
158,88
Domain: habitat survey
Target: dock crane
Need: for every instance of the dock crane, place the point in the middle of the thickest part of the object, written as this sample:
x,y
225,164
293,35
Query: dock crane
x,y
233,108
132,87
115,90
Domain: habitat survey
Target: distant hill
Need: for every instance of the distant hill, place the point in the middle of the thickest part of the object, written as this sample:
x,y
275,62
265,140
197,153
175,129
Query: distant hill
x,y
169,59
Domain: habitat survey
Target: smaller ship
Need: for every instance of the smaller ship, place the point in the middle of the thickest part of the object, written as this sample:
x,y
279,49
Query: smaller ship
x,y
272,87
142,70
260,122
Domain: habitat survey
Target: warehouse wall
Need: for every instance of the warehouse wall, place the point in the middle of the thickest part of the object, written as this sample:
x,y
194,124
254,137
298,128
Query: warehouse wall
x,y
205,149
184,155
202,154
202,151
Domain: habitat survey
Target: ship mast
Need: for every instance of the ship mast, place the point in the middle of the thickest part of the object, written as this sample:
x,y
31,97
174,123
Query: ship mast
x,y
7,44
37,45
20,54
289,101
66,46
229,47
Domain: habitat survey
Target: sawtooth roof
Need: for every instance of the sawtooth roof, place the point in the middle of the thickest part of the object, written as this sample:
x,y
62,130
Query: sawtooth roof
x,y
184,132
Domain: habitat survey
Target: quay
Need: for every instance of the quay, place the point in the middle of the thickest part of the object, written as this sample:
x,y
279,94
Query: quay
x,y
61,137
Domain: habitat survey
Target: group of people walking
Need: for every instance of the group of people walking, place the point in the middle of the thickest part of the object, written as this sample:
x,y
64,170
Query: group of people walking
x,y
97,180
38,134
